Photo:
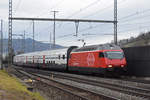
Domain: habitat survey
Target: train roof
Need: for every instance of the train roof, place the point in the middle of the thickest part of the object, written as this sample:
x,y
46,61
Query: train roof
x,y
98,47
46,52
64,50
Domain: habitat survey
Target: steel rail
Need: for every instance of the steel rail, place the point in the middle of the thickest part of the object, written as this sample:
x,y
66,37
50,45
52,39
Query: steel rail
x,y
46,80
135,91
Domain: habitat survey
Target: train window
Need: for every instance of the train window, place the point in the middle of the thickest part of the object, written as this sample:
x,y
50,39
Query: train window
x,y
115,55
101,54
63,57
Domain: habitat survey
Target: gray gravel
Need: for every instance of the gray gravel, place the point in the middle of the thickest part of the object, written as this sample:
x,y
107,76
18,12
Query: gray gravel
x,y
105,91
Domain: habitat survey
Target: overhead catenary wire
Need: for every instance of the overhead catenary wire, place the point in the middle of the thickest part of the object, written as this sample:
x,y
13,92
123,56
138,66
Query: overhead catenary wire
x,y
131,29
134,14
17,7
54,6
85,29
103,9
133,18
92,14
84,8
29,34
129,24
144,11
88,28
46,28
89,5
91,36
120,31
30,24
143,22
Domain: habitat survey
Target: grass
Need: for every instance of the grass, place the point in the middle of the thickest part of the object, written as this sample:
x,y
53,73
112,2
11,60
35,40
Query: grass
x,y
12,89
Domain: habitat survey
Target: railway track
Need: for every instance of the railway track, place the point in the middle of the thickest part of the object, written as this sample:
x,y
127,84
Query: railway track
x,y
76,92
125,91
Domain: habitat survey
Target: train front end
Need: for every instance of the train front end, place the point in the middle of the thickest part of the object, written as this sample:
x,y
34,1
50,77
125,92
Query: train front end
x,y
114,60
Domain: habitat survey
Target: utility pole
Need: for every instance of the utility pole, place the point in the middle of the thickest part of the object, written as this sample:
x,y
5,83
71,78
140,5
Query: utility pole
x,y
10,34
1,45
33,42
24,41
115,21
50,41
54,28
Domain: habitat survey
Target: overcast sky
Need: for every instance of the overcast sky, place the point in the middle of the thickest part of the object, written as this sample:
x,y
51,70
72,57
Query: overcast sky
x,y
133,18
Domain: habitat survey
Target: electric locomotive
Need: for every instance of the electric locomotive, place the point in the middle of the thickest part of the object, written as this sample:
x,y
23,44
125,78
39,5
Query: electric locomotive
x,y
97,58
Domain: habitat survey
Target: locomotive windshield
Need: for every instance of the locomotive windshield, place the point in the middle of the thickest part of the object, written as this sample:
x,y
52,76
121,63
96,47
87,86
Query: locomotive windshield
x,y
114,55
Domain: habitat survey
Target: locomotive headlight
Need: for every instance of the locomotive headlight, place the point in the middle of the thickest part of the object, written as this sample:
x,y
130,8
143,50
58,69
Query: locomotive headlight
x,y
122,65
109,66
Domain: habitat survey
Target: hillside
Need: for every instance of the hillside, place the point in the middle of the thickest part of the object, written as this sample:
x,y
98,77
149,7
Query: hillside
x,y
39,46
142,40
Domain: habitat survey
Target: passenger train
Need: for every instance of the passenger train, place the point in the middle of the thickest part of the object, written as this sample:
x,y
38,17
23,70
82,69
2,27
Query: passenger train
x,y
90,59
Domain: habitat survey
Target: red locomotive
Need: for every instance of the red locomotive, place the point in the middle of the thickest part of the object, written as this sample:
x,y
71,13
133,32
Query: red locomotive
x,y
97,58
93,59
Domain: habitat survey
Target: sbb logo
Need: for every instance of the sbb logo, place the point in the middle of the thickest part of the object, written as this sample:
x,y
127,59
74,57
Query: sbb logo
x,y
90,59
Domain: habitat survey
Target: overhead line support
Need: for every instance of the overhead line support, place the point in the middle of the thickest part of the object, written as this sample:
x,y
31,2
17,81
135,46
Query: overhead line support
x,y
10,34
24,41
1,46
33,32
54,28
63,20
115,22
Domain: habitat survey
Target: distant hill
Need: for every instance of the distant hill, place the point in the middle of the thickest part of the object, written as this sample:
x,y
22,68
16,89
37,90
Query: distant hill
x,y
39,46
142,40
